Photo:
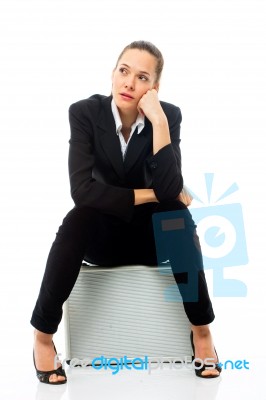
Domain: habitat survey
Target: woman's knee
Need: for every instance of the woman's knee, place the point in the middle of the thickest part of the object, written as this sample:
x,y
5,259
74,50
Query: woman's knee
x,y
80,214
78,220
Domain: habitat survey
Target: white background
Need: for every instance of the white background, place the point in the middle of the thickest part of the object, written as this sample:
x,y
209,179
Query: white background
x,y
54,53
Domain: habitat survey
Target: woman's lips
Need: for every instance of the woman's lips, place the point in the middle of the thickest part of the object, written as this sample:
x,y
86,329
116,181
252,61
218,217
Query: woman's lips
x,y
126,96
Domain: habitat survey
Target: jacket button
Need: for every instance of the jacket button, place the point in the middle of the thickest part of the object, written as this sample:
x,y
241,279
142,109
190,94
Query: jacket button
x,y
154,164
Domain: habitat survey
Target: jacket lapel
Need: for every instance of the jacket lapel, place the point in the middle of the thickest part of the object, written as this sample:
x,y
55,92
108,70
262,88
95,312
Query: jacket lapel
x,y
109,139
138,144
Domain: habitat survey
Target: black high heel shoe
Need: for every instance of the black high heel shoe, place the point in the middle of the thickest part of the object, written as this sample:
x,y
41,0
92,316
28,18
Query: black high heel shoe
x,y
199,367
44,376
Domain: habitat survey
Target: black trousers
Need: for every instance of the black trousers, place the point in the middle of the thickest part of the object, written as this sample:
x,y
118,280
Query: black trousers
x,y
87,234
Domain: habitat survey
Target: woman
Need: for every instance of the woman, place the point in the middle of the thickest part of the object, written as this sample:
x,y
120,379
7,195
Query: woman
x,y
124,166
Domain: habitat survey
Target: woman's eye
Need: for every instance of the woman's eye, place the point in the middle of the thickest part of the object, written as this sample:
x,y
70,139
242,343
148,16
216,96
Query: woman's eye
x,y
123,70
143,78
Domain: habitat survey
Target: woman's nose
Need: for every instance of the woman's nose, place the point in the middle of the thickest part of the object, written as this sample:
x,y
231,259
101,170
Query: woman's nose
x,y
129,84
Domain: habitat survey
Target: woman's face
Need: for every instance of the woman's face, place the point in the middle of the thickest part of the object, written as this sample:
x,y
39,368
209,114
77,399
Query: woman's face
x,y
132,78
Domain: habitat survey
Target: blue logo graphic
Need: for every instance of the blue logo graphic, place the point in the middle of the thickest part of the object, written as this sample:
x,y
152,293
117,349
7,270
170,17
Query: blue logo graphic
x,y
222,243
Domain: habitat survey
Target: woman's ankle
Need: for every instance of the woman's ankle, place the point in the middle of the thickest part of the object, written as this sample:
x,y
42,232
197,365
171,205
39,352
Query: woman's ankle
x,y
45,338
201,330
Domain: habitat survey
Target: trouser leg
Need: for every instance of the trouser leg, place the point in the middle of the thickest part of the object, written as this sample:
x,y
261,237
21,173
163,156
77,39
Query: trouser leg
x,y
177,241
79,230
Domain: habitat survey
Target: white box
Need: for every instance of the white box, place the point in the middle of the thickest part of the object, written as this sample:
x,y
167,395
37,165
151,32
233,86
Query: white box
x,y
126,311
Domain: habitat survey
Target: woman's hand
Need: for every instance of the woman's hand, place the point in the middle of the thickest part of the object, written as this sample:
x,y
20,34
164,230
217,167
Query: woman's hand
x,y
185,197
143,196
149,105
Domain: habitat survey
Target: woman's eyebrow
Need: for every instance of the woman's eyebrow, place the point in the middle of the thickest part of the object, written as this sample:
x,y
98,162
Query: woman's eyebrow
x,y
141,72
144,72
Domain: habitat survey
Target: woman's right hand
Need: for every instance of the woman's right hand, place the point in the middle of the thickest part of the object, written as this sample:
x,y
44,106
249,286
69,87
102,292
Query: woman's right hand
x,y
143,196
185,197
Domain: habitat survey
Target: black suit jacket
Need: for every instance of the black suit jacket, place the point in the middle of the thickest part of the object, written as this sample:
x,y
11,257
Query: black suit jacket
x,y
99,177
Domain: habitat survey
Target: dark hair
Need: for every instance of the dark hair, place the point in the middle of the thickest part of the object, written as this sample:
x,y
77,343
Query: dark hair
x,y
150,48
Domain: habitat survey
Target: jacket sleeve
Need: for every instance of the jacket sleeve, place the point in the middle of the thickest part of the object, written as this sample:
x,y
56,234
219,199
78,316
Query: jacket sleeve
x,y
85,190
165,165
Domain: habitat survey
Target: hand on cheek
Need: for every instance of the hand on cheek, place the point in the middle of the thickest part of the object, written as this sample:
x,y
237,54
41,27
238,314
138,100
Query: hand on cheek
x,y
149,104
